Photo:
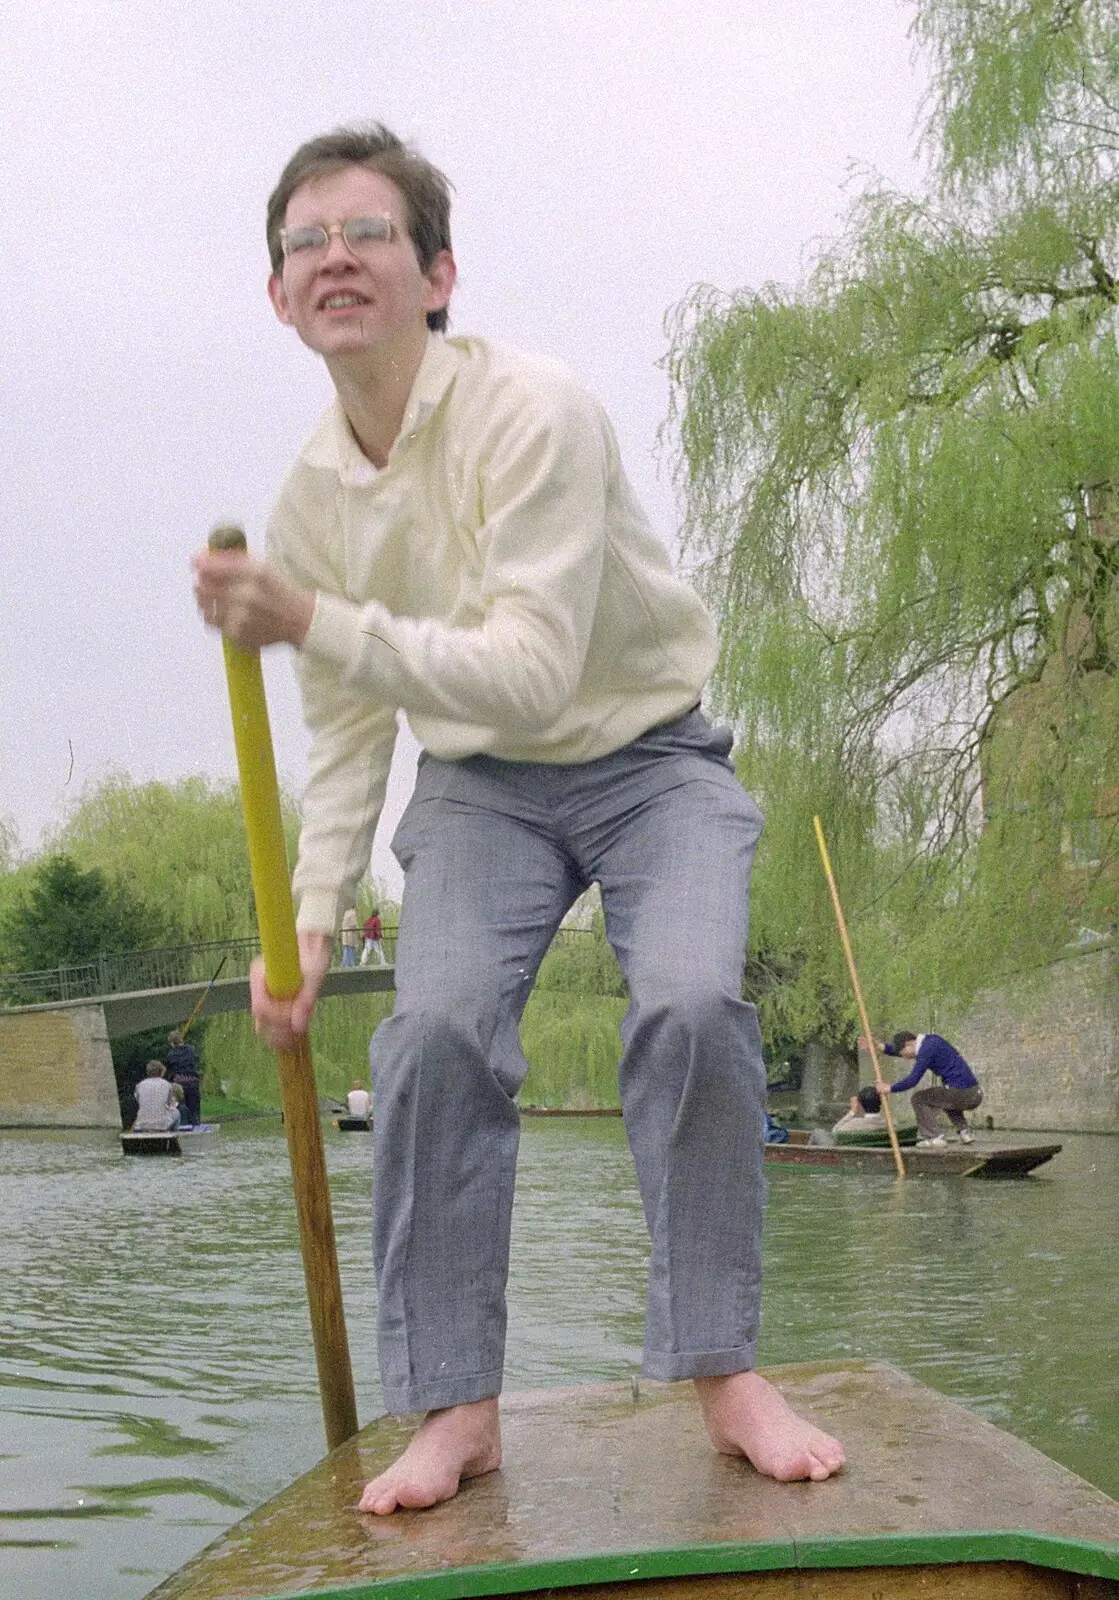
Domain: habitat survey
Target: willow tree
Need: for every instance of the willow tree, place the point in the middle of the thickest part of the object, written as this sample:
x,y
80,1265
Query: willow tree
x,y
898,480
180,846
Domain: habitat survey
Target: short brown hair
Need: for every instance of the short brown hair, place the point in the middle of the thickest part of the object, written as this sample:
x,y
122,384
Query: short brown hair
x,y
426,191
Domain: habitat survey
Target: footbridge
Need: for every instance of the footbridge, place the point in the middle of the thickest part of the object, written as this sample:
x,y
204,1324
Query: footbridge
x,y
56,1064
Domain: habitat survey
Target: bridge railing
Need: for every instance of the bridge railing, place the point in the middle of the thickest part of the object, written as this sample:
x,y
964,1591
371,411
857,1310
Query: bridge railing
x,y
129,971
166,968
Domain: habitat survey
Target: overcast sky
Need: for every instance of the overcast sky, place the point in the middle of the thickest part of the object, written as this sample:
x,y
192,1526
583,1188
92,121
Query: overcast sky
x,y
606,155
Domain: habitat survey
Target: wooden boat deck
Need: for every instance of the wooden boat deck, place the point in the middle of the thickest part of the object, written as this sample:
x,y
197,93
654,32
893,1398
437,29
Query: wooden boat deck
x,y
618,1492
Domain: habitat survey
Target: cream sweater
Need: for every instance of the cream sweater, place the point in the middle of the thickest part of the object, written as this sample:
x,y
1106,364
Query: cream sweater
x,y
497,581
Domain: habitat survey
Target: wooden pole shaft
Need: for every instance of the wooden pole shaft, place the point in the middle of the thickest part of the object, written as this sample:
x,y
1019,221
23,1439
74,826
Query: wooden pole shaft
x,y
260,800
852,969
192,1019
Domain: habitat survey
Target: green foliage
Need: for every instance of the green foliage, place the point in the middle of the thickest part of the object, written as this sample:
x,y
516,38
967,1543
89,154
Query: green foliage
x,y
573,1046
581,962
67,916
900,495
569,1034
570,1041
179,845
1025,94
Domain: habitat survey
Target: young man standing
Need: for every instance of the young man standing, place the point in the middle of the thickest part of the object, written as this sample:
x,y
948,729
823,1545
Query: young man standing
x,y
458,540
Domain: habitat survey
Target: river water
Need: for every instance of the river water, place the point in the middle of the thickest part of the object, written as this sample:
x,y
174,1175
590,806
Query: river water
x,y
156,1373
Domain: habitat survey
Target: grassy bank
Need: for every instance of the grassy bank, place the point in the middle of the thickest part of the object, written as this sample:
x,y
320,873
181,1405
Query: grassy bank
x,y
570,1042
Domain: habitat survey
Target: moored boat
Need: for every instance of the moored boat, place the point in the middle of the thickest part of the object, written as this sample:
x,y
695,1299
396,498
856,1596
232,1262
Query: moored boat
x,y
613,1491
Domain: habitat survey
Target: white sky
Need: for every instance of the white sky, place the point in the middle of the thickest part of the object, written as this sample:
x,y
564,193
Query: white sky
x,y
606,156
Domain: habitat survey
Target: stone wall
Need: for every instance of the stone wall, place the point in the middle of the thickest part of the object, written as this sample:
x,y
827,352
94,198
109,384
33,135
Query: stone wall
x,y
1047,1051
56,1070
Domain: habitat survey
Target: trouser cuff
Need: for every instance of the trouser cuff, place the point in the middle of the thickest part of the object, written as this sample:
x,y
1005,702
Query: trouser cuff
x,y
670,1366
442,1392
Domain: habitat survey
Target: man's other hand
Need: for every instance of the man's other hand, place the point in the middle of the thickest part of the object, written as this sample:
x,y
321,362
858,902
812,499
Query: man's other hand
x,y
283,1023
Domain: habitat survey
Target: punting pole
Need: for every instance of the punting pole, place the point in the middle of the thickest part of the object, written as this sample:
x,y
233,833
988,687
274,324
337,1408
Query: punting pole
x,y
186,1027
260,802
867,1032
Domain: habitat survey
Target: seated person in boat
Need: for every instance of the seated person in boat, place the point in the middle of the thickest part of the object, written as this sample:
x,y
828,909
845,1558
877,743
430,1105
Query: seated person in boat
x,y
157,1109
865,1114
359,1102
458,541
959,1090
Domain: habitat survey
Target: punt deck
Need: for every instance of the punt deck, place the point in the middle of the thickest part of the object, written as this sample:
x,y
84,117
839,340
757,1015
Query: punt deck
x,y
613,1492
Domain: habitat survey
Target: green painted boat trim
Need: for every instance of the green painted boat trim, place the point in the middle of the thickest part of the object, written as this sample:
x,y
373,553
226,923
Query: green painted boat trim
x,y
1078,1556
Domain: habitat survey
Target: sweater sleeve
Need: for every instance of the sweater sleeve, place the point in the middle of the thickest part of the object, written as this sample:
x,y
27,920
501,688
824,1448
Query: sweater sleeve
x,y
352,742
541,473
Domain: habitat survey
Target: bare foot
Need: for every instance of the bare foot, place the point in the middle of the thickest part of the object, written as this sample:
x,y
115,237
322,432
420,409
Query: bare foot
x,y
459,1442
746,1416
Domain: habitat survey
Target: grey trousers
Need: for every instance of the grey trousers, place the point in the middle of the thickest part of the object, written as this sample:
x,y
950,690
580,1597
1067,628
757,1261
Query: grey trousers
x,y
953,1102
494,853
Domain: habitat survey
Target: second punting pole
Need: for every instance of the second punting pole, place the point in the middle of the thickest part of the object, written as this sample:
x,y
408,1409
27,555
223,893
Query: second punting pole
x,y
853,970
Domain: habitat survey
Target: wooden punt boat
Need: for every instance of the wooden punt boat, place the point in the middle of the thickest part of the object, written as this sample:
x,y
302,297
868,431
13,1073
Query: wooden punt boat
x,y
354,1124
978,1160
613,1492
183,1141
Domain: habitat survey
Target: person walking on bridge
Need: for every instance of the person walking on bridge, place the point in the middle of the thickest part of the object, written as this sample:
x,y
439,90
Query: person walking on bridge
x,y
458,541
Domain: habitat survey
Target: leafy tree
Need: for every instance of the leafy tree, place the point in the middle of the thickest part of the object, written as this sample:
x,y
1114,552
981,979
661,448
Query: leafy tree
x,y
68,916
899,484
181,846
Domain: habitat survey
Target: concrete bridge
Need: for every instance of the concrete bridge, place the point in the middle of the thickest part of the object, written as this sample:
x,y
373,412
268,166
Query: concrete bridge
x,y
56,1065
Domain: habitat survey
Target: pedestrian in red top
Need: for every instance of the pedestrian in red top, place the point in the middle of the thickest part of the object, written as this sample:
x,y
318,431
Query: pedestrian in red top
x,y
373,934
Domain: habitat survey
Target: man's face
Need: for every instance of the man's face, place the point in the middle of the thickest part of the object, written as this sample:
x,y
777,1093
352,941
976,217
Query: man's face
x,y
341,302
909,1050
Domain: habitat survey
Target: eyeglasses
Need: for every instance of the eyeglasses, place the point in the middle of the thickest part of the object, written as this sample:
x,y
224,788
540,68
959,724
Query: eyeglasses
x,y
360,235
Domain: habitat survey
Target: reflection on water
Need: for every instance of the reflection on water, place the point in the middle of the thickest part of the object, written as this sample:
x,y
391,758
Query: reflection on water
x,y
156,1371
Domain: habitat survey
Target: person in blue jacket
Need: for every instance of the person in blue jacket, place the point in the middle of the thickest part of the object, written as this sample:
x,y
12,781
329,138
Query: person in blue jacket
x,y
960,1089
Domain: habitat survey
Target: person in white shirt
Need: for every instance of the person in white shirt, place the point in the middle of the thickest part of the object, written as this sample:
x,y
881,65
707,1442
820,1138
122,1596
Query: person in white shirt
x,y
157,1108
457,540
359,1102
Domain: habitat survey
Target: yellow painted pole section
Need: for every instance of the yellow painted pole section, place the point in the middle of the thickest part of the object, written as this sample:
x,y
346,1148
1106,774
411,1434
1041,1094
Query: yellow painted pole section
x,y
260,801
871,1045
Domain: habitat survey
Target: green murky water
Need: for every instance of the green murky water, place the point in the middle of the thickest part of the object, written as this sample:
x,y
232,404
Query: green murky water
x,y
156,1373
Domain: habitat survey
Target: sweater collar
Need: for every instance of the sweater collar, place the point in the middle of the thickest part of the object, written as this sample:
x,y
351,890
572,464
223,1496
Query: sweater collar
x,y
335,446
